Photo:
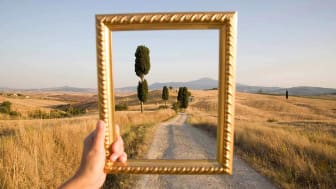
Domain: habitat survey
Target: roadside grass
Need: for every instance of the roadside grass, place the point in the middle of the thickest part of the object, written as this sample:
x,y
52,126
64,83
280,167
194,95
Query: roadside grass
x,y
291,142
295,157
45,153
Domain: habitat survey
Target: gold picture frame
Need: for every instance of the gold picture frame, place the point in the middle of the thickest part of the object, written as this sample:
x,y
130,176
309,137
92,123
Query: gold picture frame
x,y
226,24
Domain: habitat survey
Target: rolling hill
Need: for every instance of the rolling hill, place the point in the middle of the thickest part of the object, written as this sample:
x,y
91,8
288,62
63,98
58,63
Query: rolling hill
x,y
199,84
208,83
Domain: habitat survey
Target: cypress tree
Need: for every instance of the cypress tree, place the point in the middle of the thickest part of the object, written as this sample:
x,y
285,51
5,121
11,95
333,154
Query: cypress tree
x,y
179,94
165,94
142,67
183,97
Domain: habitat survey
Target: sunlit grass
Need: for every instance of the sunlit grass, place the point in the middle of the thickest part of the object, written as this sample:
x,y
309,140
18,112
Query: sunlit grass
x,y
44,153
291,141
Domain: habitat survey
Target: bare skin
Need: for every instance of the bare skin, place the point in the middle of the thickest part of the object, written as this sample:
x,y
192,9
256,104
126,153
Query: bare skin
x,y
90,173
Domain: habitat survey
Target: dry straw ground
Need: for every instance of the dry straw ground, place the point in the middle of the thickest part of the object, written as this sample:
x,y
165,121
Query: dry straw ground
x,y
291,141
44,153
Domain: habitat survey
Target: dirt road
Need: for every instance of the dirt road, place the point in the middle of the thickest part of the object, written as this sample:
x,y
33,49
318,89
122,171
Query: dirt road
x,y
176,140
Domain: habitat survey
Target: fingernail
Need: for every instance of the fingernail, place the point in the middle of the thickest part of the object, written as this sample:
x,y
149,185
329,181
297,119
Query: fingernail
x,y
123,159
113,158
101,124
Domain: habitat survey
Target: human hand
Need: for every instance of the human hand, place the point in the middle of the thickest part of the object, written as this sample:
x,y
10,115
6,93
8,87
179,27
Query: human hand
x,y
91,171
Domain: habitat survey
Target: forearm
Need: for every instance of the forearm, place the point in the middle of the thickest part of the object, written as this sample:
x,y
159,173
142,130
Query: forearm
x,y
75,182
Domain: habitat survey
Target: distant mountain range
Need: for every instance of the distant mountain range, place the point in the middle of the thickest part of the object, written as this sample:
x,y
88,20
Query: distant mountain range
x,y
203,83
208,83
299,91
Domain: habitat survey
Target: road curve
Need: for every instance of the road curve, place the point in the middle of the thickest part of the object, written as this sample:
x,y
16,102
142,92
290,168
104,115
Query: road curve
x,y
176,140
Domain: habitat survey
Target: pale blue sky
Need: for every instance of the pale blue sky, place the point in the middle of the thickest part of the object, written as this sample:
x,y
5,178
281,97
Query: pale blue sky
x,y
280,43
180,55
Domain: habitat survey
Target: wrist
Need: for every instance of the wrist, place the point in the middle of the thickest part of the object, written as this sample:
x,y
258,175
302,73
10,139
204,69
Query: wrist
x,y
77,181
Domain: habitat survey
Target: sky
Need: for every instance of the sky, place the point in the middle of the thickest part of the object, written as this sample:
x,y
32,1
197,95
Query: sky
x,y
180,55
280,43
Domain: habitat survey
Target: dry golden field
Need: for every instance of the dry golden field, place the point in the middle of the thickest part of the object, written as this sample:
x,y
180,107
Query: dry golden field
x,y
292,141
43,153
46,102
26,105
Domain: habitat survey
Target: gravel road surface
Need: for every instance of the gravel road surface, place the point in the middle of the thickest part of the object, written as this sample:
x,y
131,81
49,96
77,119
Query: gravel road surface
x,y
176,140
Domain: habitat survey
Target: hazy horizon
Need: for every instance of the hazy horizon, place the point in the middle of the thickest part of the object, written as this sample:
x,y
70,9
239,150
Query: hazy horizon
x,y
280,44
152,82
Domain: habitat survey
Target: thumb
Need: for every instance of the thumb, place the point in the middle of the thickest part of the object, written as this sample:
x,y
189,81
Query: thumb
x,y
100,135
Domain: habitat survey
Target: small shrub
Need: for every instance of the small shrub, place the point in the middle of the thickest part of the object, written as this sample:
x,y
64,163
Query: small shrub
x,y
39,114
72,111
163,107
176,106
271,120
5,107
121,107
14,113
58,114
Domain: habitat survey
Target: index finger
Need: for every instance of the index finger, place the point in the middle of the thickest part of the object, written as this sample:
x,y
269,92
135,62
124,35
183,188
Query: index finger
x,y
117,130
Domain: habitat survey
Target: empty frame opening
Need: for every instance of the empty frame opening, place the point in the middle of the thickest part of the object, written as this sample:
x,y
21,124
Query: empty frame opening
x,y
178,58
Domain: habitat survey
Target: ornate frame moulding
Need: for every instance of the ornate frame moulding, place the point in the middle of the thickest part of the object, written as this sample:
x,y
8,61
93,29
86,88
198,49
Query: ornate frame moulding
x,y
226,24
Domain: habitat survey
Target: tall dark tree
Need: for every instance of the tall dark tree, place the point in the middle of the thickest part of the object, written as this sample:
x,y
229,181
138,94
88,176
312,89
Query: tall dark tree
x,y
179,94
142,92
142,61
142,67
183,97
165,94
